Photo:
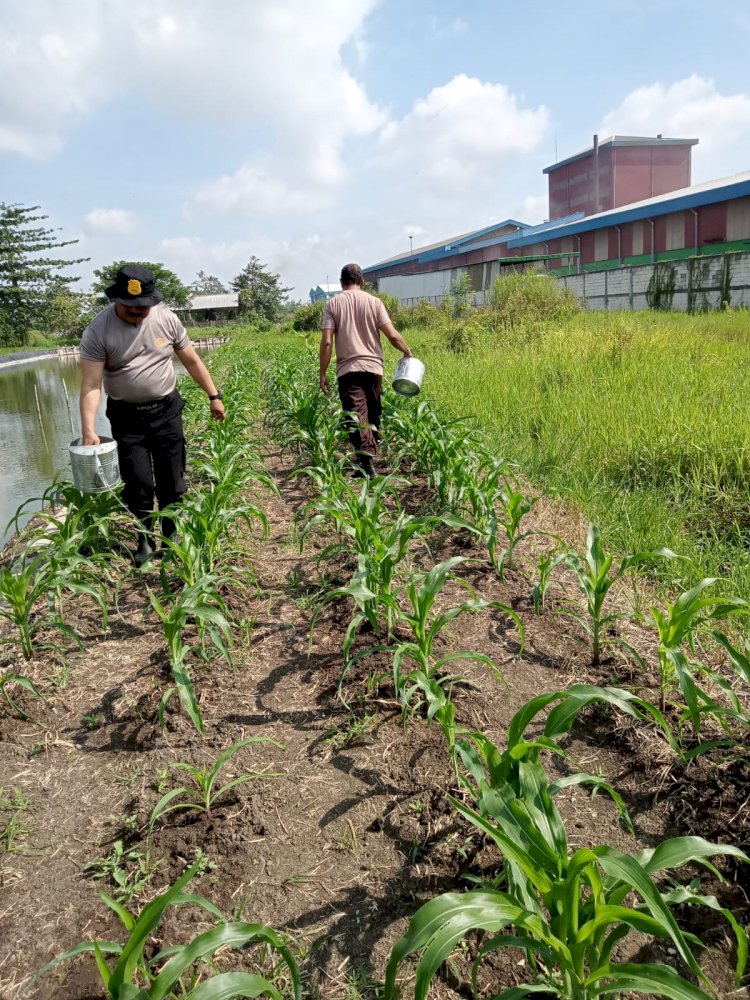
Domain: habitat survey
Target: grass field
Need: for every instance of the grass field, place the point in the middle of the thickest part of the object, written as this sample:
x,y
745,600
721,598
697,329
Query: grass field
x,y
643,417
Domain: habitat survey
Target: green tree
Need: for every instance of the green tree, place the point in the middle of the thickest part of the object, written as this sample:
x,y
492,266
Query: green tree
x,y
67,313
206,284
27,276
260,295
175,293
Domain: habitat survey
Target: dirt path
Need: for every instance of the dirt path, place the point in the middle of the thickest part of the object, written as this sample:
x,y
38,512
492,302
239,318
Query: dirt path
x,y
352,832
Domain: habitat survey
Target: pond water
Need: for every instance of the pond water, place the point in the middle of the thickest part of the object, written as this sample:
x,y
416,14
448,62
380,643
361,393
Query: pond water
x,y
30,453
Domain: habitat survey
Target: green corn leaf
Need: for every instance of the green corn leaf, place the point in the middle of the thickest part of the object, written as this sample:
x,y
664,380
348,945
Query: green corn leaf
x,y
234,984
522,718
85,947
162,806
101,965
684,895
440,924
534,793
234,934
739,661
605,915
651,980
592,779
513,835
628,870
680,851
477,657
148,919
186,694
518,992
125,916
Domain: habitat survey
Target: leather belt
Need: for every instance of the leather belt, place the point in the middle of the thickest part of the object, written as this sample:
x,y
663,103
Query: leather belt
x,y
154,404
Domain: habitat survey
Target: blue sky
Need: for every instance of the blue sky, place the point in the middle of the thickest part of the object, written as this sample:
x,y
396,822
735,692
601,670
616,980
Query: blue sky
x,y
201,132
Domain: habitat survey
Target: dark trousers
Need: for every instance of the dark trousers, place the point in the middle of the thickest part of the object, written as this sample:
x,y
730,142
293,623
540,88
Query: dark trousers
x,y
151,452
360,394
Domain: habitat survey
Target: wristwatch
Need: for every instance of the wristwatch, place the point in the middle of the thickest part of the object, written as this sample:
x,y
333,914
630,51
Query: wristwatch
x,y
219,395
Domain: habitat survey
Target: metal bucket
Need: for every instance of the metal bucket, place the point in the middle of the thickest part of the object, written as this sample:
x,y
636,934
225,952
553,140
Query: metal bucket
x,y
95,467
408,377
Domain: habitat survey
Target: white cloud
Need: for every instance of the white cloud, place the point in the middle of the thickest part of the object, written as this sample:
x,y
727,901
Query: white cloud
x,y
106,221
299,262
233,65
460,131
447,29
692,108
534,209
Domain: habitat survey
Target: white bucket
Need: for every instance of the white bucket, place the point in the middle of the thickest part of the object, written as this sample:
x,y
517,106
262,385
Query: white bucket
x,y
408,377
95,466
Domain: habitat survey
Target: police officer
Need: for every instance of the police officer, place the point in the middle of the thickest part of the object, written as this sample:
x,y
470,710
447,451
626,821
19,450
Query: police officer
x,y
128,347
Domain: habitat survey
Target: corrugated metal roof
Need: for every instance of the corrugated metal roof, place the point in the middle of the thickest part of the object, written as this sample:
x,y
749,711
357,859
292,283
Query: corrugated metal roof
x,y
622,140
449,246
724,189
228,300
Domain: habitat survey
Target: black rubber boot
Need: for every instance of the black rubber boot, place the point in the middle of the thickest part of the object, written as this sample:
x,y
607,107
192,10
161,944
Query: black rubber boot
x,y
365,463
144,551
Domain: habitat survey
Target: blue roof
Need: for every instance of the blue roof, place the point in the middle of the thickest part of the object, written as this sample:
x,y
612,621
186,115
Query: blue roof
x,y
451,247
710,193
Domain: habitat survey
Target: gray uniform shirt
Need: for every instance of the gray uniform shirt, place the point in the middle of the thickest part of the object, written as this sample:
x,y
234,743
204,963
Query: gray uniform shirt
x,y
137,359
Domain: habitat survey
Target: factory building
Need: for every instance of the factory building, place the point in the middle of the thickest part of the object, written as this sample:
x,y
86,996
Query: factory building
x,y
627,201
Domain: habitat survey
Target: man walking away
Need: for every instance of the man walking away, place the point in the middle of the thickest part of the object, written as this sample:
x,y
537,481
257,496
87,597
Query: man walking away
x,y
354,320
128,348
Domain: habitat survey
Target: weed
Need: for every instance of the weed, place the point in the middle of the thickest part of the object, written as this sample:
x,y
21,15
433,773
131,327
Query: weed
x,y
13,828
127,870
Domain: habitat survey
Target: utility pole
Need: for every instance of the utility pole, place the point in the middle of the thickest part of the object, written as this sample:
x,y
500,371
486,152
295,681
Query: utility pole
x,y
411,251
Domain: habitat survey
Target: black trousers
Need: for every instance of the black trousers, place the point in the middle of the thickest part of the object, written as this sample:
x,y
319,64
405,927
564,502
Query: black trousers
x,y
151,452
360,394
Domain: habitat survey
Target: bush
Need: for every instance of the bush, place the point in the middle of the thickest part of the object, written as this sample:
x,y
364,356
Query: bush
x,y
308,317
464,333
528,298
423,314
398,313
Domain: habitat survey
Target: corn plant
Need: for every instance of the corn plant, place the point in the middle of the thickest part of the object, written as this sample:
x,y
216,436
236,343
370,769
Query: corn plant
x,y
171,972
567,910
546,565
200,604
485,765
594,576
425,684
204,794
97,522
22,589
205,523
381,543
679,624
22,681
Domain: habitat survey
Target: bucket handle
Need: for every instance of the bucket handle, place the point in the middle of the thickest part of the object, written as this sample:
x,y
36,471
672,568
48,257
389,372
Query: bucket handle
x,y
99,472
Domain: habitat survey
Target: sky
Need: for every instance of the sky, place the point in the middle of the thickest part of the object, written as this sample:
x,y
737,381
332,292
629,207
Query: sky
x,y
311,133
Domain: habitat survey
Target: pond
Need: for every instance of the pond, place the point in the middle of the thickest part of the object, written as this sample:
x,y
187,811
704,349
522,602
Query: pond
x,y
32,452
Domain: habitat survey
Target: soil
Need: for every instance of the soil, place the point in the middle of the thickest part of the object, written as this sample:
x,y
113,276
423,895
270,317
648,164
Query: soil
x,y
346,828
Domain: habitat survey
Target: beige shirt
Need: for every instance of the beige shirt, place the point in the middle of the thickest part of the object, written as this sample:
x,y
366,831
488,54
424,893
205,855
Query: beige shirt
x,y
356,317
137,359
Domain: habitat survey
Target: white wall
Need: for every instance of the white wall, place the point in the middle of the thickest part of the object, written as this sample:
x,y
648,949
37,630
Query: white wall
x,y
620,288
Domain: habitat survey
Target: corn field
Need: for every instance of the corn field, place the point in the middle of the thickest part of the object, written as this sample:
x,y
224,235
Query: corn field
x,y
416,610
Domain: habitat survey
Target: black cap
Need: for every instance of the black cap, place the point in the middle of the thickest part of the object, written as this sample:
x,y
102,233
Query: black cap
x,y
134,286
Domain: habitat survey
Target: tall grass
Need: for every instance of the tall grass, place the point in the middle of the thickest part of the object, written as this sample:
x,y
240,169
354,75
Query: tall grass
x,y
642,416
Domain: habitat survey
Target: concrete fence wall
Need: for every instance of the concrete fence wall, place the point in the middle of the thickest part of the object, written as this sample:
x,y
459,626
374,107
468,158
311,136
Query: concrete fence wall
x,y
688,284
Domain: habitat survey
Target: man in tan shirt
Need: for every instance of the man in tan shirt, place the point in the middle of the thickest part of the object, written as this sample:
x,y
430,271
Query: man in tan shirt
x,y
128,348
354,320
